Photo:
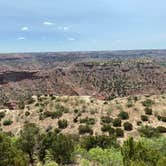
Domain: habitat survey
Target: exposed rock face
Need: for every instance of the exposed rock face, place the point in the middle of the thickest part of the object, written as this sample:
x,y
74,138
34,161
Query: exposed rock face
x,y
104,74
15,76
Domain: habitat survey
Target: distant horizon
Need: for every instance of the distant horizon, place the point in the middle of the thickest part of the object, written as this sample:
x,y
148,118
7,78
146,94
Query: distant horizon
x,y
29,52
58,26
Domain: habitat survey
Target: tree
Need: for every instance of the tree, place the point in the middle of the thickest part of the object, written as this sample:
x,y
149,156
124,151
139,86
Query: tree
x,y
139,152
9,154
60,146
28,141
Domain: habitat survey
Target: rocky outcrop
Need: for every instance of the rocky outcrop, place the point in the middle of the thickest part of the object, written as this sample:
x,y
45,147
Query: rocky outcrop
x,y
15,76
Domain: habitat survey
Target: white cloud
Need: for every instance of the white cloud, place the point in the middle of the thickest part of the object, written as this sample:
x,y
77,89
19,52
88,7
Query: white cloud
x,y
65,28
48,23
25,28
71,39
21,38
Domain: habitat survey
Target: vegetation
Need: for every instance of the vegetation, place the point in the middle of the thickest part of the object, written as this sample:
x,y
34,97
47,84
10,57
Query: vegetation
x,y
88,121
35,148
148,111
7,122
83,129
119,132
128,126
106,119
2,115
148,131
97,139
148,103
123,115
144,118
62,123
117,122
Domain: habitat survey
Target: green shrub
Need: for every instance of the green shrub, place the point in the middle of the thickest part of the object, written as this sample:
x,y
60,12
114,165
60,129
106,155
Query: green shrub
x,y
139,153
148,111
2,115
105,128
88,121
106,119
83,129
62,123
148,131
75,119
27,113
162,118
129,104
123,115
117,122
139,123
61,108
147,103
53,115
144,118
102,141
76,111
37,104
21,105
119,132
161,129
128,126
7,122
105,157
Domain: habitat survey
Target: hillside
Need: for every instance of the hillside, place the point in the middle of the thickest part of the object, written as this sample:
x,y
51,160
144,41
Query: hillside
x,y
46,111
101,74
83,108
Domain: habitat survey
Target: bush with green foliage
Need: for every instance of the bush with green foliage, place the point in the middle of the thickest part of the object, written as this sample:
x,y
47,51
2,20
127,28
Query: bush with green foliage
x,y
139,123
60,146
144,118
148,103
28,140
106,119
117,122
84,129
88,121
128,126
161,129
62,123
141,153
2,115
27,113
148,111
148,131
21,105
161,118
119,132
106,157
123,115
10,155
7,122
61,108
53,115
101,141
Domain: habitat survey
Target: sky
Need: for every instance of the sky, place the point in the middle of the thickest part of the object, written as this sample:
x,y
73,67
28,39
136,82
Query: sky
x,y
81,25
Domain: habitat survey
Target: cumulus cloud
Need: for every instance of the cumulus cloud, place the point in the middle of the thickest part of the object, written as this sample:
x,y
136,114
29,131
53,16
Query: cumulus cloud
x,y
21,38
48,23
25,28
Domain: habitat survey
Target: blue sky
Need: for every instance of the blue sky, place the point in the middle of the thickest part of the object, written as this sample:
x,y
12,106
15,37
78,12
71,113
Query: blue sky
x,y
67,25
